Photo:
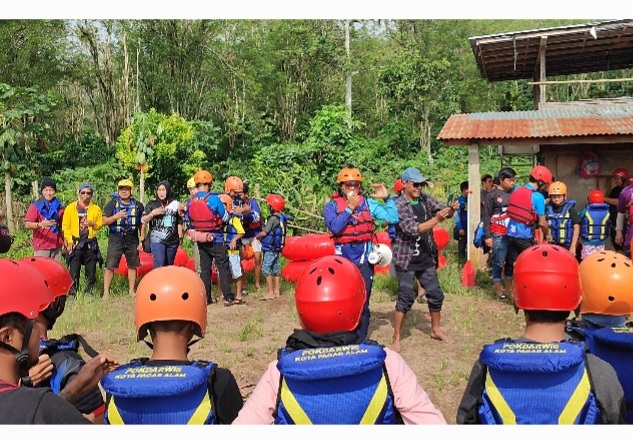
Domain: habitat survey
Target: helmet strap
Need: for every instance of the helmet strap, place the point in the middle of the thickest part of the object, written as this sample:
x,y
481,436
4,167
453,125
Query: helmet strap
x,y
22,357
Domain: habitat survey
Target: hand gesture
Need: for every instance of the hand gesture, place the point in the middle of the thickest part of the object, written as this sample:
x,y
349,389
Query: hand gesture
x,y
380,190
42,370
353,200
91,373
619,238
121,214
158,211
441,215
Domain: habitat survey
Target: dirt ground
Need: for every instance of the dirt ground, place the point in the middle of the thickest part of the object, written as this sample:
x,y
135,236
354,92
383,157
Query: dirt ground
x,y
245,338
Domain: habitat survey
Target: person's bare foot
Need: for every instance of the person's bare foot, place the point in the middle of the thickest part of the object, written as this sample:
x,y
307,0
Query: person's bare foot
x,y
268,297
395,345
105,297
277,294
132,293
438,335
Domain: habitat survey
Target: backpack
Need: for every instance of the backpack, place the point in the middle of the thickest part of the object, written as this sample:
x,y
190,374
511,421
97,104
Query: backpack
x,y
520,206
588,165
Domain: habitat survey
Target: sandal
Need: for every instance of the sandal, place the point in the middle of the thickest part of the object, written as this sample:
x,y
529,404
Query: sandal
x,y
239,302
227,303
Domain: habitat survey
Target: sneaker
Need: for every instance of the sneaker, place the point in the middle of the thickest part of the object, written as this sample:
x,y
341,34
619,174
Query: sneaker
x,y
244,293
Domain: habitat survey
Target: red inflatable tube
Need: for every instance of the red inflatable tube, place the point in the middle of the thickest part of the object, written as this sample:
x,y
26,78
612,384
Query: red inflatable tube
x,y
307,247
293,269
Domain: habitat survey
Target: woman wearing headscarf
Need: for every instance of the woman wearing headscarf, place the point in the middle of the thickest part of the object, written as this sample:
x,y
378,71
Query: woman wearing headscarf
x,y
165,225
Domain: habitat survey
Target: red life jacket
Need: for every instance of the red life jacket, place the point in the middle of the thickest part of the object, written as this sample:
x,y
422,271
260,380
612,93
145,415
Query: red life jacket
x,y
360,228
202,218
520,206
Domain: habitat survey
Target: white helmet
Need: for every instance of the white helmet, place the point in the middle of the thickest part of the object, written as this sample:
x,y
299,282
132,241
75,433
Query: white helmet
x,y
380,255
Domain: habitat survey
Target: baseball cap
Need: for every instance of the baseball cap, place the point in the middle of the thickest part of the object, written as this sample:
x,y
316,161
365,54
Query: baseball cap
x,y
413,174
85,186
126,182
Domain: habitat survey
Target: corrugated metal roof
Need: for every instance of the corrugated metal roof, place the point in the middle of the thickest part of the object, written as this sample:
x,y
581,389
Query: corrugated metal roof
x,y
589,120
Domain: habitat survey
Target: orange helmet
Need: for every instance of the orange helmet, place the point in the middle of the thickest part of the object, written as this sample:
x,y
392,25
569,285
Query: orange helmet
x,y
248,252
557,188
620,172
595,196
541,173
349,173
398,185
276,202
329,295
227,200
607,280
233,183
170,293
202,176
546,279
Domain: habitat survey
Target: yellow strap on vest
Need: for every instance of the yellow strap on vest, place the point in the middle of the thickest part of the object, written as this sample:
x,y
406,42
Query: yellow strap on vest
x,y
199,417
298,415
568,415
114,417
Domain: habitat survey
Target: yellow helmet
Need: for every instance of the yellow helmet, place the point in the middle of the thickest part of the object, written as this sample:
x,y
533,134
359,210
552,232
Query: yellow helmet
x,y
557,188
126,182
191,183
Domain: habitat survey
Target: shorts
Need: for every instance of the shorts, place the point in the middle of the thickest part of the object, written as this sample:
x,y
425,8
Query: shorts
x,y
118,245
236,265
588,249
270,264
254,242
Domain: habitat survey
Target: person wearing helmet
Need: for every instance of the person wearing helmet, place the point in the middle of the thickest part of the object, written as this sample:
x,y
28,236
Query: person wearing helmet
x,y
619,178
606,278
349,216
24,293
167,387
251,214
44,217
186,221
80,224
273,239
563,220
233,238
59,363
327,373
165,225
495,219
595,224
542,377
526,210
208,219
624,219
415,253
122,214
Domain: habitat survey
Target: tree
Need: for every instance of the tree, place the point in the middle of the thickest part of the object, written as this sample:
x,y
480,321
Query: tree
x,y
20,128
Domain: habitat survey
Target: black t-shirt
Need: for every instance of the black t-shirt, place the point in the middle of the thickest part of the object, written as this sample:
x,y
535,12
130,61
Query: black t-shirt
x,y
164,228
37,406
422,257
613,210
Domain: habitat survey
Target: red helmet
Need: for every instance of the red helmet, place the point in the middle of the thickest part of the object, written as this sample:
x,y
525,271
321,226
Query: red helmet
x,y
398,185
620,172
170,293
607,278
276,202
546,279
595,196
541,173
58,277
23,289
329,295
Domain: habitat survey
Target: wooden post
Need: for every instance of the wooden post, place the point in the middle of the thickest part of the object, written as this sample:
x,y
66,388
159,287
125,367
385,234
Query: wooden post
x,y
474,214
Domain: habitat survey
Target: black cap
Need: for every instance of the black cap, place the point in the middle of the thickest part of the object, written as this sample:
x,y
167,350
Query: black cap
x,y
48,182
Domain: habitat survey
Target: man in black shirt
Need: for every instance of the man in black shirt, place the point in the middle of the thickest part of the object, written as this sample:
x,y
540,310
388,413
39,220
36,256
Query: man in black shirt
x,y
620,177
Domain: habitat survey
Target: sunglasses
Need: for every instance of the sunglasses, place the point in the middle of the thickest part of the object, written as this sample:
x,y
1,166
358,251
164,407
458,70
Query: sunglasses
x,y
416,184
351,184
85,193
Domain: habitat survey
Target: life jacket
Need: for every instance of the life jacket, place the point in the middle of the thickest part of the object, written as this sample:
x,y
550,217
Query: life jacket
x,y
4,386
50,211
131,222
275,240
615,346
499,218
360,227
595,221
202,218
520,206
256,222
230,231
166,394
537,383
560,224
335,385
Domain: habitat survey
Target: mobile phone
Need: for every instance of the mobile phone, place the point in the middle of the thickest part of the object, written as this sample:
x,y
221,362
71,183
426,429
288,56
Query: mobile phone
x,y
450,199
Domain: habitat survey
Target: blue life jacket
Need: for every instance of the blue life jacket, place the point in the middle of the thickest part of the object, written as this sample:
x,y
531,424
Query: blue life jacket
x,y
391,228
131,222
167,394
560,224
594,222
335,385
276,239
49,210
537,383
64,364
615,346
230,231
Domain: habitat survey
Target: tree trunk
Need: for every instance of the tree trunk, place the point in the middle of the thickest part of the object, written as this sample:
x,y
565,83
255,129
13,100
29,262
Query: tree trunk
x,y
141,187
7,192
